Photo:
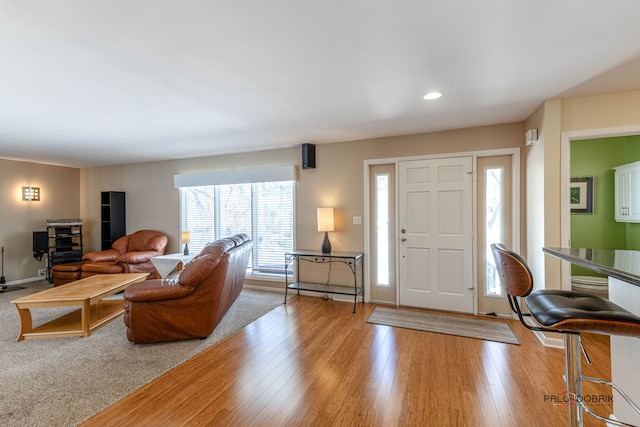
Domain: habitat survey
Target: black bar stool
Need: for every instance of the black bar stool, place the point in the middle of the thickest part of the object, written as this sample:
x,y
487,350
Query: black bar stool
x,y
568,313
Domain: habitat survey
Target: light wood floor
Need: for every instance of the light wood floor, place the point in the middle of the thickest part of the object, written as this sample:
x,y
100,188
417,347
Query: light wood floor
x,y
315,363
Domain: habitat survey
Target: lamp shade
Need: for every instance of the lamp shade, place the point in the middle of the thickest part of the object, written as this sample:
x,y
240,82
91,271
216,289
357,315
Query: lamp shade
x,y
186,236
325,219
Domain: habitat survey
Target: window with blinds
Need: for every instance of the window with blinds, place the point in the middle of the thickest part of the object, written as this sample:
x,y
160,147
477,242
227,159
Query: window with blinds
x,y
262,210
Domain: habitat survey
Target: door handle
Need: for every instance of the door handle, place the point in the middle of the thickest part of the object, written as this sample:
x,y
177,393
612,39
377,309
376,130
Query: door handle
x,y
403,239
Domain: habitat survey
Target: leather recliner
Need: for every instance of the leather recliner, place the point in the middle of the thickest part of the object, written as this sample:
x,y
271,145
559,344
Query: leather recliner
x,y
129,254
191,303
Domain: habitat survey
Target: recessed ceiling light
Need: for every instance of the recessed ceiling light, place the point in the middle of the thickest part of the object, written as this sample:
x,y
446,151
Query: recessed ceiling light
x,y
432,95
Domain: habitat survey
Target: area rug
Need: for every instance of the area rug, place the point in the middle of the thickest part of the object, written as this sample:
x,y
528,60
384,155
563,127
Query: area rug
x,y
64,381
488,330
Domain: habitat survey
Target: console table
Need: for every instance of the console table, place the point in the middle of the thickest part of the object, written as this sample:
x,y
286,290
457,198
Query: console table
x,y
353,260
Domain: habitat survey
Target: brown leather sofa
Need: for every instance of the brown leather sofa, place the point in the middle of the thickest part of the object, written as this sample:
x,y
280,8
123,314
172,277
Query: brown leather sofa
x,y
129,254
191,303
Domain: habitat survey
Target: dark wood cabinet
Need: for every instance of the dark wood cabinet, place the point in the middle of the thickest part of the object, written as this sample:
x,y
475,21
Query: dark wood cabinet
x,y
113,219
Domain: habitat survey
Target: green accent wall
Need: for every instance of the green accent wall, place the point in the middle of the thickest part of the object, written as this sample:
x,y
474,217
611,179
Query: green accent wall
x,y
633,228
597,158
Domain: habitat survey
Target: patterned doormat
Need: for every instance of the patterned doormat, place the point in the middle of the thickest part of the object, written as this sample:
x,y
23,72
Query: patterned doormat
x,y
489,330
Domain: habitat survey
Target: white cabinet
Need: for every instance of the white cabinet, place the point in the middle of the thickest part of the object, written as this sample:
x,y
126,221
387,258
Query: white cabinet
x,y
627,192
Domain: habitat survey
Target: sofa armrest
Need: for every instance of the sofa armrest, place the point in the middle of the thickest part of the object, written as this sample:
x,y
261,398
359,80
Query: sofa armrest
x,y
108,255
136,257
156,290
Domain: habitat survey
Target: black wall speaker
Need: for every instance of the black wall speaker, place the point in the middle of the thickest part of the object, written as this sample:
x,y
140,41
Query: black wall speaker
x,y
308,156
40,244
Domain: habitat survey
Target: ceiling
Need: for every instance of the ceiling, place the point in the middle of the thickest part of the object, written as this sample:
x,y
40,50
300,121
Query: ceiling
x,y
92,83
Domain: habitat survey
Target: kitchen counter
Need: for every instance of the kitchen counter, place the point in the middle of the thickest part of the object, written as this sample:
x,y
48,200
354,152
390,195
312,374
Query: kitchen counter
x,y
618,263
623,269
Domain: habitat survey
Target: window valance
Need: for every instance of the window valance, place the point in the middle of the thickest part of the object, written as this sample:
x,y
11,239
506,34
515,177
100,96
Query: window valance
x,y
237,176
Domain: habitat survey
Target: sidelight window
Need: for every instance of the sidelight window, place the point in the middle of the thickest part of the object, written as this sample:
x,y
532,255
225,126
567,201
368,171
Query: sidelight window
x,y
493,225
382,209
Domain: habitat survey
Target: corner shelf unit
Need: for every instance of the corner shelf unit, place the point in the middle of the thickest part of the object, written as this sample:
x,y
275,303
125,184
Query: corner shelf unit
x,y
65,242
353,260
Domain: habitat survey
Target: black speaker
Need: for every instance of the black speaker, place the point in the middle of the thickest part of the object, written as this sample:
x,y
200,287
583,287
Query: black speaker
x,y
308,156
40,244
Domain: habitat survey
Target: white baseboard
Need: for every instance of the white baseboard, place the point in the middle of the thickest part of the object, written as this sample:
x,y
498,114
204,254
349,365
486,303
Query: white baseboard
x,y
263,288
497,316
281,290
292,292
22,281
343,298
549,342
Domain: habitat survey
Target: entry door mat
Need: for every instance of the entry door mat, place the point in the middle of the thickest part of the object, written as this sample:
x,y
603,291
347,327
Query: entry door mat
x,y
443,324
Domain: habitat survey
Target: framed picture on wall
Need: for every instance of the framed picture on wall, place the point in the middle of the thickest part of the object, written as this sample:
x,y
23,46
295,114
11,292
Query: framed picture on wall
x,y
581,195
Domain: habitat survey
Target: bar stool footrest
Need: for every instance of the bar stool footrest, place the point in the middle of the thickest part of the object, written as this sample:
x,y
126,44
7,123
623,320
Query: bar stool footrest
x,y
620,391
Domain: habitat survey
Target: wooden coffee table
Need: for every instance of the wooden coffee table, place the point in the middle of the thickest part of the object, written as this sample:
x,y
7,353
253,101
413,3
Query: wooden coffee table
x,y
88,293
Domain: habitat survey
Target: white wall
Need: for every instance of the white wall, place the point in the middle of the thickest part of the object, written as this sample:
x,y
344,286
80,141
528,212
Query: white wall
x,y
535,183
337,181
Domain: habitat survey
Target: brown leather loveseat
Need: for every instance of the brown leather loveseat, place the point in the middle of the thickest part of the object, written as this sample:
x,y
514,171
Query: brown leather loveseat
x,y
191,303
129,254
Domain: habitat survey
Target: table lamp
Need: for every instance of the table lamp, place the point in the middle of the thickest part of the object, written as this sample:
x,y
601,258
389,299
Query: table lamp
x,y
186,238
325,223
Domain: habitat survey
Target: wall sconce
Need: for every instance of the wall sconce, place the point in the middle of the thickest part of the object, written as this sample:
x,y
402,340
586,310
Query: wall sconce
x,y
325,223
186,238
31,194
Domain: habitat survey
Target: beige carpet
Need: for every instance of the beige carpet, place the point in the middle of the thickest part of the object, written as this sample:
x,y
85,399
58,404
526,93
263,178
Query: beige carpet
x,y
489,330
64,381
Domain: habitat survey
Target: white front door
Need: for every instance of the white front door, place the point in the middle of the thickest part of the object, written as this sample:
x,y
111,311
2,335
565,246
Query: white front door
x,y
435,223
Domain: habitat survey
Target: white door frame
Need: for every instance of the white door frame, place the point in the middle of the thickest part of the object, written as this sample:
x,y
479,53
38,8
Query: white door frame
x,y
565,181
515,209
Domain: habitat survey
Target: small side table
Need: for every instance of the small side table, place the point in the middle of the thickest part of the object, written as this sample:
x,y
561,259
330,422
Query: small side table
x,y
167,264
